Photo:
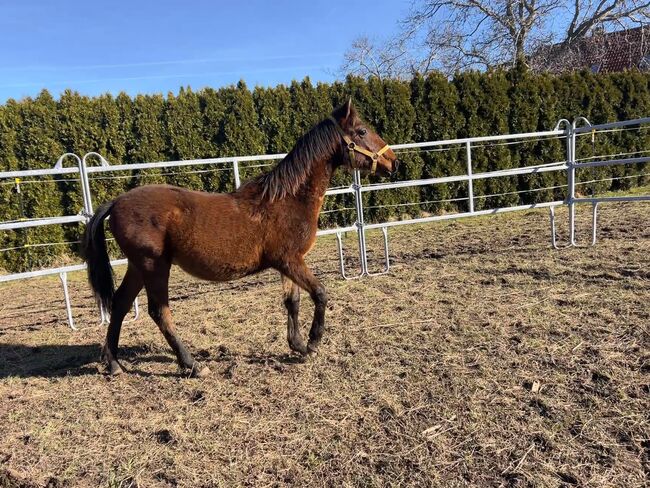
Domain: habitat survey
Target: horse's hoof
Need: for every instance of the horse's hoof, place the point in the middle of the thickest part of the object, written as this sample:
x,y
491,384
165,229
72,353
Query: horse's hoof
x,y
200,372
299,348
312,349
114,369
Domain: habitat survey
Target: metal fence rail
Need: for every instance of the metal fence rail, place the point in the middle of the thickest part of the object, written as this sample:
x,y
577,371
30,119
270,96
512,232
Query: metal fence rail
x,y
563,130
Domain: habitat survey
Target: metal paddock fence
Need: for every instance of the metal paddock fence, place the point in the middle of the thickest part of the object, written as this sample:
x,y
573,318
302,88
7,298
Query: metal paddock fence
x,y
569,131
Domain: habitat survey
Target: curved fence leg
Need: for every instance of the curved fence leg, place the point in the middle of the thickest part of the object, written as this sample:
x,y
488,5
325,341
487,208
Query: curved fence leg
x,y
103,316
339,241
594,224
551,214
551,211
136,312
573,243
106,318
594,228
68,307
384,231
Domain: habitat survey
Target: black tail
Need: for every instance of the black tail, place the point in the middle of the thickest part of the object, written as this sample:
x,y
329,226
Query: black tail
x,y
93,248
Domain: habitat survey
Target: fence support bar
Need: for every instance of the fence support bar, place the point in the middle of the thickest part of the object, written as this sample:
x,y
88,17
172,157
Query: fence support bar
x,y
66,294
551,212
594,223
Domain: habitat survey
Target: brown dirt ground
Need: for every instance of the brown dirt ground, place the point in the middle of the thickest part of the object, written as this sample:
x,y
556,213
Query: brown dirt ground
x,y
484,359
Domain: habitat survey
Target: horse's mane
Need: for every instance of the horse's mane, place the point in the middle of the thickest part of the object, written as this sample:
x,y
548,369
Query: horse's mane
x,y
291,172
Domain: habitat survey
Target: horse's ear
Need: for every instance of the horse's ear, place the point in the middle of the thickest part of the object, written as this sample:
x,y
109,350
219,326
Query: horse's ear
x,y
348,108
345,113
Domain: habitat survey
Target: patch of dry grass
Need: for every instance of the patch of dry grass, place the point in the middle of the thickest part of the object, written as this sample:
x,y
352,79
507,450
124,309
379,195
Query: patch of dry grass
x,y
485,358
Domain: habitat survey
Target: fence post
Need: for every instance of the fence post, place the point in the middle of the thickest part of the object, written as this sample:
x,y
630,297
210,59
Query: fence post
x,y
567,132
571,163
470,182
358,197
571,174
235,168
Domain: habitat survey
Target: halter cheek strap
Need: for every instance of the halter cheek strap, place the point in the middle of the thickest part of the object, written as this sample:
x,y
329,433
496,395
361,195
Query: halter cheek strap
x,y
352,147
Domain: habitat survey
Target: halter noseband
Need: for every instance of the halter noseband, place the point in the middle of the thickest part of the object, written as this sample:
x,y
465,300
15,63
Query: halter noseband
x,y
352,146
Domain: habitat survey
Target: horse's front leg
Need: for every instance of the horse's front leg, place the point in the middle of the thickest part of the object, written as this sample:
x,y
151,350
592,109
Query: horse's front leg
x,y
298,272
291,295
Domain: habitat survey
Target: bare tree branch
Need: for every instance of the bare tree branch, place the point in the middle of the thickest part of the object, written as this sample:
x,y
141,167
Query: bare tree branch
x,y
448,35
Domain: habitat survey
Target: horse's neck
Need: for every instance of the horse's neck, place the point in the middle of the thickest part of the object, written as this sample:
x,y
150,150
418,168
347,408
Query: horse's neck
x,y
320,177
313,190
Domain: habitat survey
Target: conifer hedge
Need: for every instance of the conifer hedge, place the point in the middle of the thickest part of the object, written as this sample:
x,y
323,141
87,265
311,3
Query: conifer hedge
x,y
236,121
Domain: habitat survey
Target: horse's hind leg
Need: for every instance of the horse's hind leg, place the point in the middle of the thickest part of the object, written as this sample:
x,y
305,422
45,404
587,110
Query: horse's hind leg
x,y
291,293
122,301
157,283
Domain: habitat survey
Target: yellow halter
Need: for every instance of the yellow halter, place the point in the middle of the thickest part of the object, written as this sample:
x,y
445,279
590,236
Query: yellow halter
x,y
352,147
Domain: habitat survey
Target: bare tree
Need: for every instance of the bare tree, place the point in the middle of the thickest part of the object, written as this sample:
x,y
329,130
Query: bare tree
x,y
365,58
453,35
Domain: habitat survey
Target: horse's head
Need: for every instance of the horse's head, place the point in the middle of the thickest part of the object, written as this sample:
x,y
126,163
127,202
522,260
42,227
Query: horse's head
x,y
362,147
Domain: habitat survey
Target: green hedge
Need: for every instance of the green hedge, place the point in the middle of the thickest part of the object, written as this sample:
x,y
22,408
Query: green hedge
x,y
237,121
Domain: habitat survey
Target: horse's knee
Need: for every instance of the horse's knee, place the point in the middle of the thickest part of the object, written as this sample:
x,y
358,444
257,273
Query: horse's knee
x,y
319,296
155,312
291,303
118,312
120,308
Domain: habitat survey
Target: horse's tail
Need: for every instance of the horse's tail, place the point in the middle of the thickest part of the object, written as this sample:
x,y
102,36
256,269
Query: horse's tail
x,y
93,249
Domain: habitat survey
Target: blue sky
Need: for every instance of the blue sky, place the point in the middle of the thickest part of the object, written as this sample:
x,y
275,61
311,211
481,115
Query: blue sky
x,y
143,46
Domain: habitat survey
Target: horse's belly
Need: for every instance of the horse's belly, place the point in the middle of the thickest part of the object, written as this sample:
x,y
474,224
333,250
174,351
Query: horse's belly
x,y
217,271
220,263
218,243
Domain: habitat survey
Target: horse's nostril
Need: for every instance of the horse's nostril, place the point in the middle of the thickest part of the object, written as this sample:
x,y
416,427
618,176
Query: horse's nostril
x,y
396,165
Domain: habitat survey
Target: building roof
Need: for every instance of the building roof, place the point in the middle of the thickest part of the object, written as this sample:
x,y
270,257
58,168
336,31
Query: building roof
x,y
625,49
602,52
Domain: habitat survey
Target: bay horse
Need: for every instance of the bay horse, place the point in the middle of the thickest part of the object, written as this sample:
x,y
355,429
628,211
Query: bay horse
x,y
269,222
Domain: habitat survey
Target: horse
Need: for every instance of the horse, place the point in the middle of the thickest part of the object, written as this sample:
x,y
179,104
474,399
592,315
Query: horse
x,y
268,222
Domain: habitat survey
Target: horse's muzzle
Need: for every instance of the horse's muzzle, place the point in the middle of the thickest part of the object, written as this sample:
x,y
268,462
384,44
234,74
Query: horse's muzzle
x,y
395,166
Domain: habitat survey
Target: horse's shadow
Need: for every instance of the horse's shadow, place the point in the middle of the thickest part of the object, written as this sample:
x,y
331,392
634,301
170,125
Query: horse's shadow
x,y
52,361
273,359
60,360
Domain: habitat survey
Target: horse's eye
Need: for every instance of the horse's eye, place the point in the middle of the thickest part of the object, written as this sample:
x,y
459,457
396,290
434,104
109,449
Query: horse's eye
x,y
362,132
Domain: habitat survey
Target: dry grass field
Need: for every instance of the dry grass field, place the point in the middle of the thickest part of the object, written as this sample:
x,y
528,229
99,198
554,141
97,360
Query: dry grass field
x,y
484,358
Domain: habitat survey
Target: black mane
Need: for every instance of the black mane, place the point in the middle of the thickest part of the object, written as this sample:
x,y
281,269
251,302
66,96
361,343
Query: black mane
x,y
290,173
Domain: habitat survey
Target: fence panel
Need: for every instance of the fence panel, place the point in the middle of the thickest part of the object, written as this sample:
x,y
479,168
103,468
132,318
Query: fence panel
x,y
569,132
